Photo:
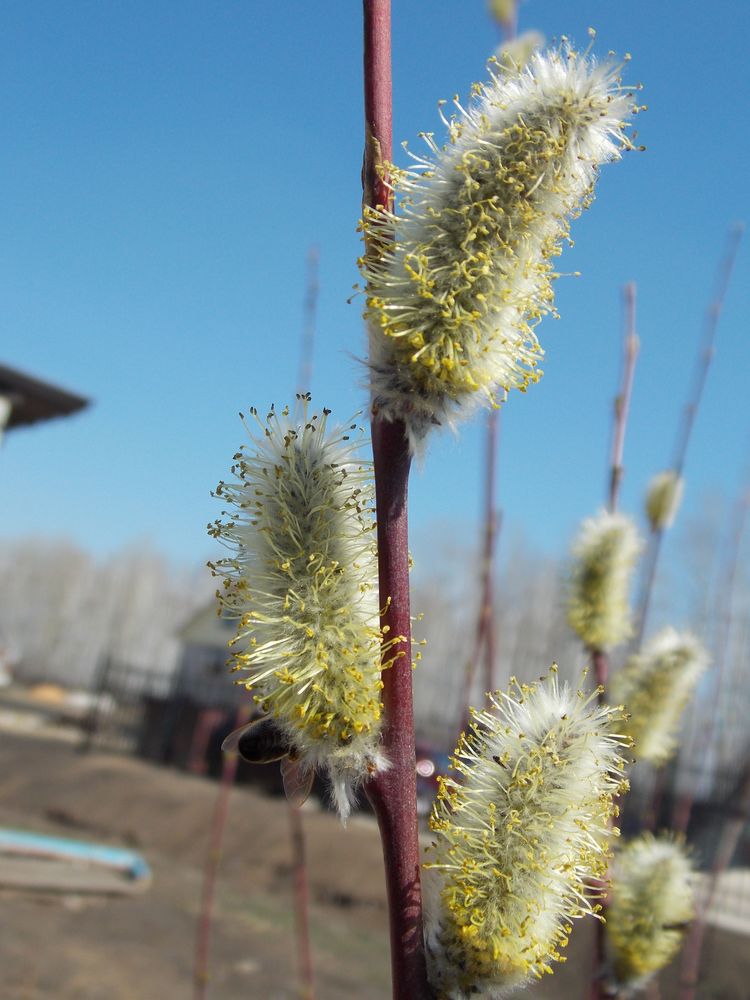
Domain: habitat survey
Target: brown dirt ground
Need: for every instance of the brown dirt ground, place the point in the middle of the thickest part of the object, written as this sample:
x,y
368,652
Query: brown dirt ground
x,y
140,947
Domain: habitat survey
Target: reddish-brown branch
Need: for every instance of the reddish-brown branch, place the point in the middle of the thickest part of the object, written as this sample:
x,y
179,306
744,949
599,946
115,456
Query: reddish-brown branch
x,y
393,793
600,663
622,400
378,102
211,869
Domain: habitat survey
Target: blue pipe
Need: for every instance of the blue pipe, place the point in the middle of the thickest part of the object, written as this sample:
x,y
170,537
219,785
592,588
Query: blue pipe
x,y
22,842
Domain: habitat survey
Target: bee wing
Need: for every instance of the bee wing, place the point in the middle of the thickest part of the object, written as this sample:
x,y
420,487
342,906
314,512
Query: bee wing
x,y
259,742
298,780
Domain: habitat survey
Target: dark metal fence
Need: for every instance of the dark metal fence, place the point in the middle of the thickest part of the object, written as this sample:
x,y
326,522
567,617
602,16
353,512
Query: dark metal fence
x,y
168,719
120,694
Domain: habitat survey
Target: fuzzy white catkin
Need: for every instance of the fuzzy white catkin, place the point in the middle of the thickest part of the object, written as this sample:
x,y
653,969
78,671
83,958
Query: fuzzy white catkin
x,y
302,580
604,557
663,499
466,264
518,836
651,903
655,687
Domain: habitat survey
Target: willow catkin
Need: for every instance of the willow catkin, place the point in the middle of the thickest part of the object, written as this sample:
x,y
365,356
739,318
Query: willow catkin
x,y
302,580
651,904
655,687
604,556
663,499
466,264
519,833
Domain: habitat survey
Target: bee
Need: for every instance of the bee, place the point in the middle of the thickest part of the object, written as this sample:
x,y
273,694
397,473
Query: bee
x,y
262,742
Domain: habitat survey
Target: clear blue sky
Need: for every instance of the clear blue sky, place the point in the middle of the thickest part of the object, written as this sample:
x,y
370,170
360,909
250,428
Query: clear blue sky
x,y
165,166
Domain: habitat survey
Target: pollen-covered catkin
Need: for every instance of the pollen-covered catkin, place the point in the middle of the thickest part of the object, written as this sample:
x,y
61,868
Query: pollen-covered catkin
x,y
302,580
518,836
604,556
663,498
655,687
465,263
650,906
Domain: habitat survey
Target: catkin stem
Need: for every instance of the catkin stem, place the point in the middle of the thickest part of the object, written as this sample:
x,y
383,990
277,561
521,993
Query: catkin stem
x,y
393,793
622,400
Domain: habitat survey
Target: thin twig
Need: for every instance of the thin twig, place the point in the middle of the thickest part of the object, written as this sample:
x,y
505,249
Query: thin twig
x,y
485,636
622,400
684,432
705,356
213,862
393,792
